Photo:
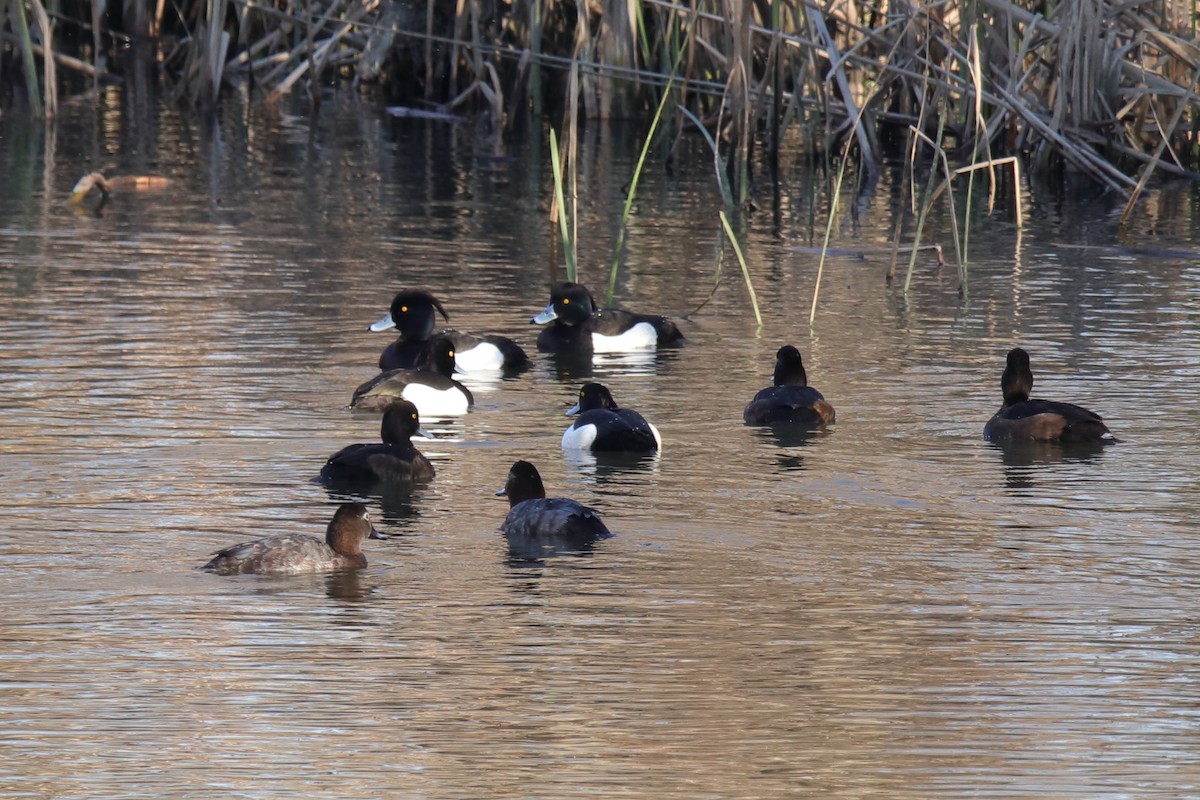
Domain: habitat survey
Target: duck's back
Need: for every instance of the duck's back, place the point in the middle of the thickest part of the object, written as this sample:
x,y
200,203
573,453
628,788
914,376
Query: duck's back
x,y
487,352
1046,420
473,352
554,518
280,555
777,405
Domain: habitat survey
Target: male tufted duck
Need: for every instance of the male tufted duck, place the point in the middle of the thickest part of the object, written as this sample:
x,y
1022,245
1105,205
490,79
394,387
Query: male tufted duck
x,y
414,314
604,427
579,326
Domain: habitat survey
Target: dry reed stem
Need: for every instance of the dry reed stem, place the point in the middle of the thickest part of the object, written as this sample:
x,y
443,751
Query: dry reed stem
x,y
817,21
1094,81
1162,145
990,165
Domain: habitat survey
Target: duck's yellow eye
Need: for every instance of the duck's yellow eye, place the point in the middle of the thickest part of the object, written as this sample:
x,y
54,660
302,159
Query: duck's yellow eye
x,y
566,301
403,309
414,416
451,353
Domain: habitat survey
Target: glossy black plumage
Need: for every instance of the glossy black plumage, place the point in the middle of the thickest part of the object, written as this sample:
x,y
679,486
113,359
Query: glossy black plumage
x,y
413,313
790,401
602,426
1039,420
576,320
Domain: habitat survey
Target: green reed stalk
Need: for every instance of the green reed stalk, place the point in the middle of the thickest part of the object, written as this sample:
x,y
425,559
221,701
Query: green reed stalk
x,y
745,270
727,195
535,48
629,195
563,227
572,161
637,172
976,70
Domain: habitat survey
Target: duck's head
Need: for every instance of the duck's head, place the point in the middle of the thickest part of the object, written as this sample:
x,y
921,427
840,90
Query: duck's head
x,y
570,304
413,313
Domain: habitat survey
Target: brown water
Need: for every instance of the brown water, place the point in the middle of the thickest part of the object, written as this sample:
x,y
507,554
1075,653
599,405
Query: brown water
x,y
893,609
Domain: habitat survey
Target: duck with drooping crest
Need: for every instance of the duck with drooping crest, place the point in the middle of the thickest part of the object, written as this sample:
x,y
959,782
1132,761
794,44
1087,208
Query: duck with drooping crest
x,y
580,326
414,314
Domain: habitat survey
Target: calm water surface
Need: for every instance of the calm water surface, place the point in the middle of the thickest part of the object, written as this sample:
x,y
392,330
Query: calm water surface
x,y
893,609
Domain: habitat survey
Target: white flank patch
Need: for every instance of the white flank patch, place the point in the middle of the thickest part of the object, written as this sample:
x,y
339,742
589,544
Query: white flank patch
x,y
580,438
482,357
640,337
432,402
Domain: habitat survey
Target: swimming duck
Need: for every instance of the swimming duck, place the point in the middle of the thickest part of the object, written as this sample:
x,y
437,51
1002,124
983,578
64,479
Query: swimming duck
x,y
414,314
1039,420
392,461
790,400
294,552
537,525
604,427
579,326
432,390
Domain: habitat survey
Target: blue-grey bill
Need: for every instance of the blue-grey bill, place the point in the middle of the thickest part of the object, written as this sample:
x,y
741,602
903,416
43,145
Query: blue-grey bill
x,y
383,324
547,315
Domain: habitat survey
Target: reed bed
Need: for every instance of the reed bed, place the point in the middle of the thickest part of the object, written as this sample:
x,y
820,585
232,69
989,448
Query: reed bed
x,y
1106,88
